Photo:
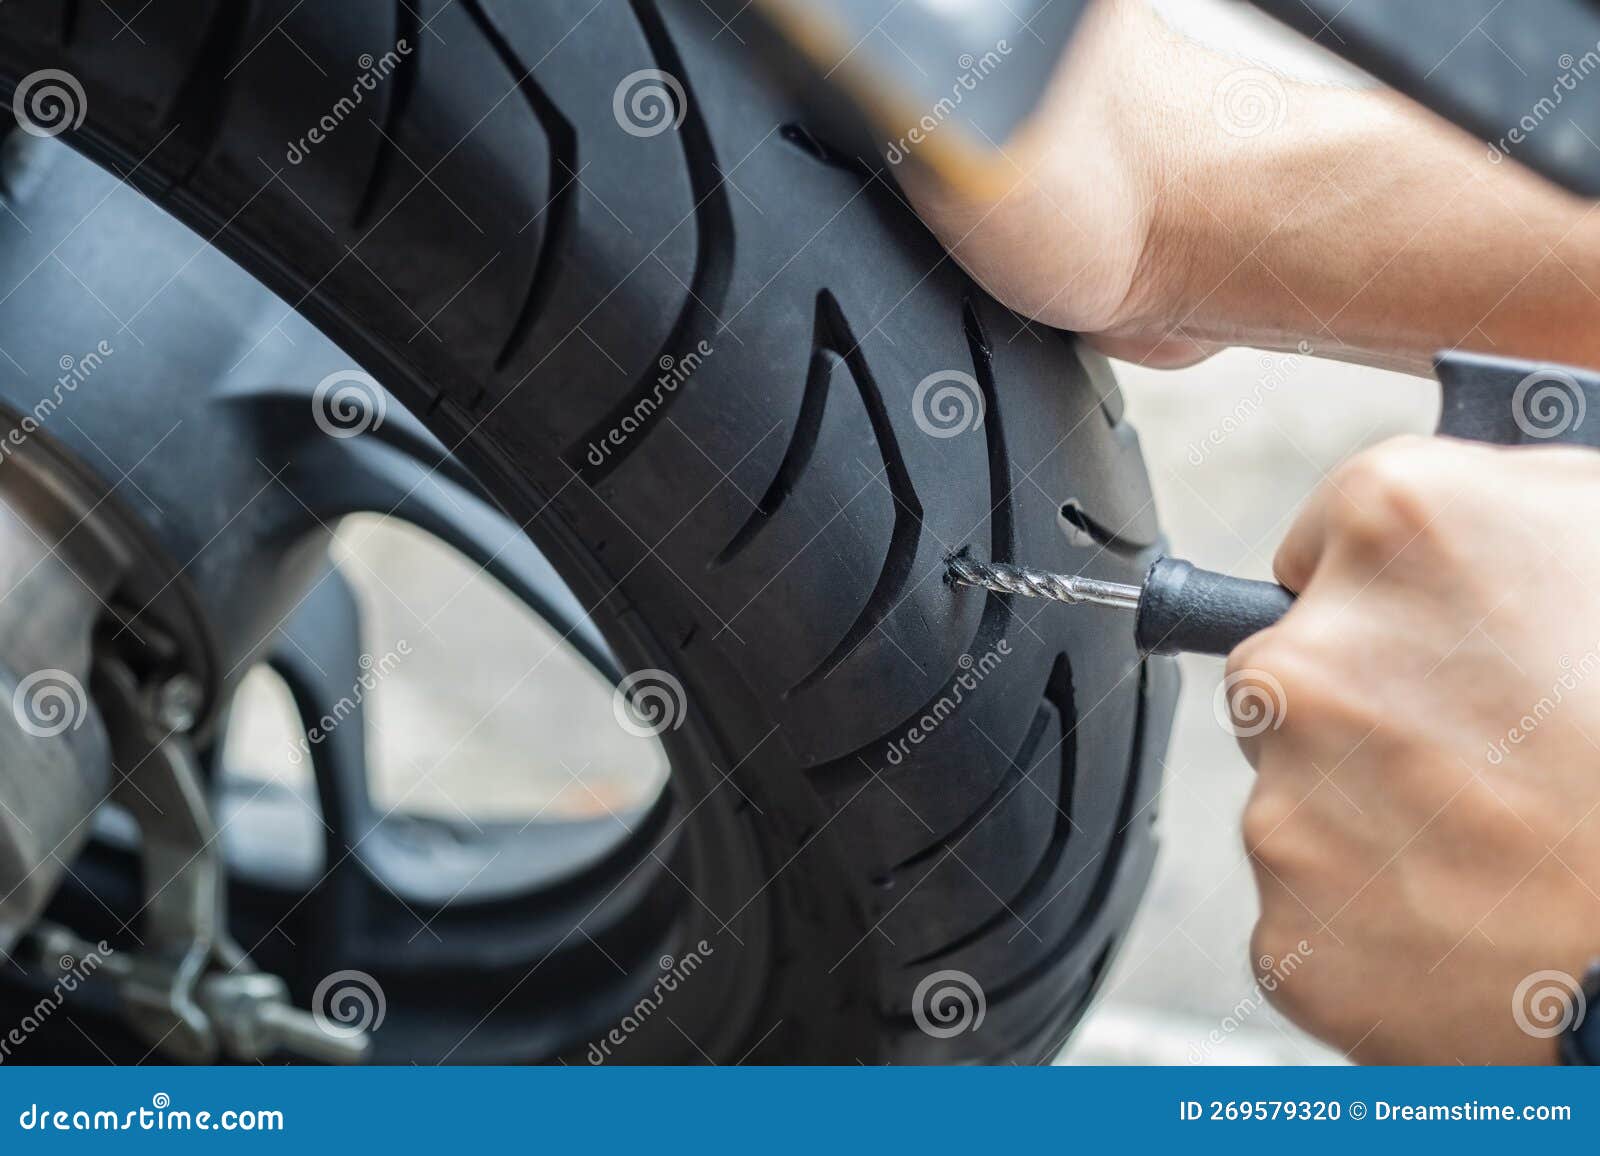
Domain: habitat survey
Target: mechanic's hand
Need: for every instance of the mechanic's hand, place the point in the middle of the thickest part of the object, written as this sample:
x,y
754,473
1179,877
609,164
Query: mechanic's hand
x,y
1427,811
1066,242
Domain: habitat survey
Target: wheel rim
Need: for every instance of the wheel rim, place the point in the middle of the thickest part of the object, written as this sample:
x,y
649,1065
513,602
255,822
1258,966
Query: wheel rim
x,y
553,944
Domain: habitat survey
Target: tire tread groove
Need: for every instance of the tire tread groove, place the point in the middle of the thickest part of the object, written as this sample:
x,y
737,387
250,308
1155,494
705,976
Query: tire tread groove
x,y
713,266
906,535
1058,693
561,206
199,106
802,444
404,82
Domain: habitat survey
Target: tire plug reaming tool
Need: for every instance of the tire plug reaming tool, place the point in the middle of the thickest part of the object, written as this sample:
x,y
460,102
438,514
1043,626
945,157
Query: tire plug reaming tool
x,y
1179,607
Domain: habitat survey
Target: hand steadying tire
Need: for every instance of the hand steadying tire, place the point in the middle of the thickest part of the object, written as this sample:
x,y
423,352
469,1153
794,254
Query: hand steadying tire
x,y
747,406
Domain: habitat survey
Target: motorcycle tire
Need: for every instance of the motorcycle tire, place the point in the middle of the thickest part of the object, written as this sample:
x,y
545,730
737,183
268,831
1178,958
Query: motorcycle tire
x,y
747,406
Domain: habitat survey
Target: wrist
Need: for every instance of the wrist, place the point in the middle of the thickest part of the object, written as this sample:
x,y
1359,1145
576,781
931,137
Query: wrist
x,y
1159,113
1243,172
1227,156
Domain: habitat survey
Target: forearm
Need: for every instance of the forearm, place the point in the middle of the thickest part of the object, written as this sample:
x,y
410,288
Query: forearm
x,y
1359,223
1168,200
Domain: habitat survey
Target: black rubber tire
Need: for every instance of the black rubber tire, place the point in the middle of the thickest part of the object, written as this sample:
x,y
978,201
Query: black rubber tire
x,y
483,235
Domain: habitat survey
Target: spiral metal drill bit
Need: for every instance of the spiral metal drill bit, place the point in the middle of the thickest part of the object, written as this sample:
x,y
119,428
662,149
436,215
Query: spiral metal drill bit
x,y
1073,589
1179,608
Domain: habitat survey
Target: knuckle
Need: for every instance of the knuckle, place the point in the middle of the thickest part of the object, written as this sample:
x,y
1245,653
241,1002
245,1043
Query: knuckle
x,y
1272,940
1292,562
1265,937
1280,662
1387,495
1265,652
1253,698
1374,466
1264,823
1262,941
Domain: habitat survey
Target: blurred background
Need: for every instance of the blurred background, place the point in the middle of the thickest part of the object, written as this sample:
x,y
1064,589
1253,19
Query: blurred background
x,y
1233,446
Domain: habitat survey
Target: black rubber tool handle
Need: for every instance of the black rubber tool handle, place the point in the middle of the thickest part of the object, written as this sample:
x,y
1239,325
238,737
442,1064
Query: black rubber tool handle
x,y
1487,399
1184,609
